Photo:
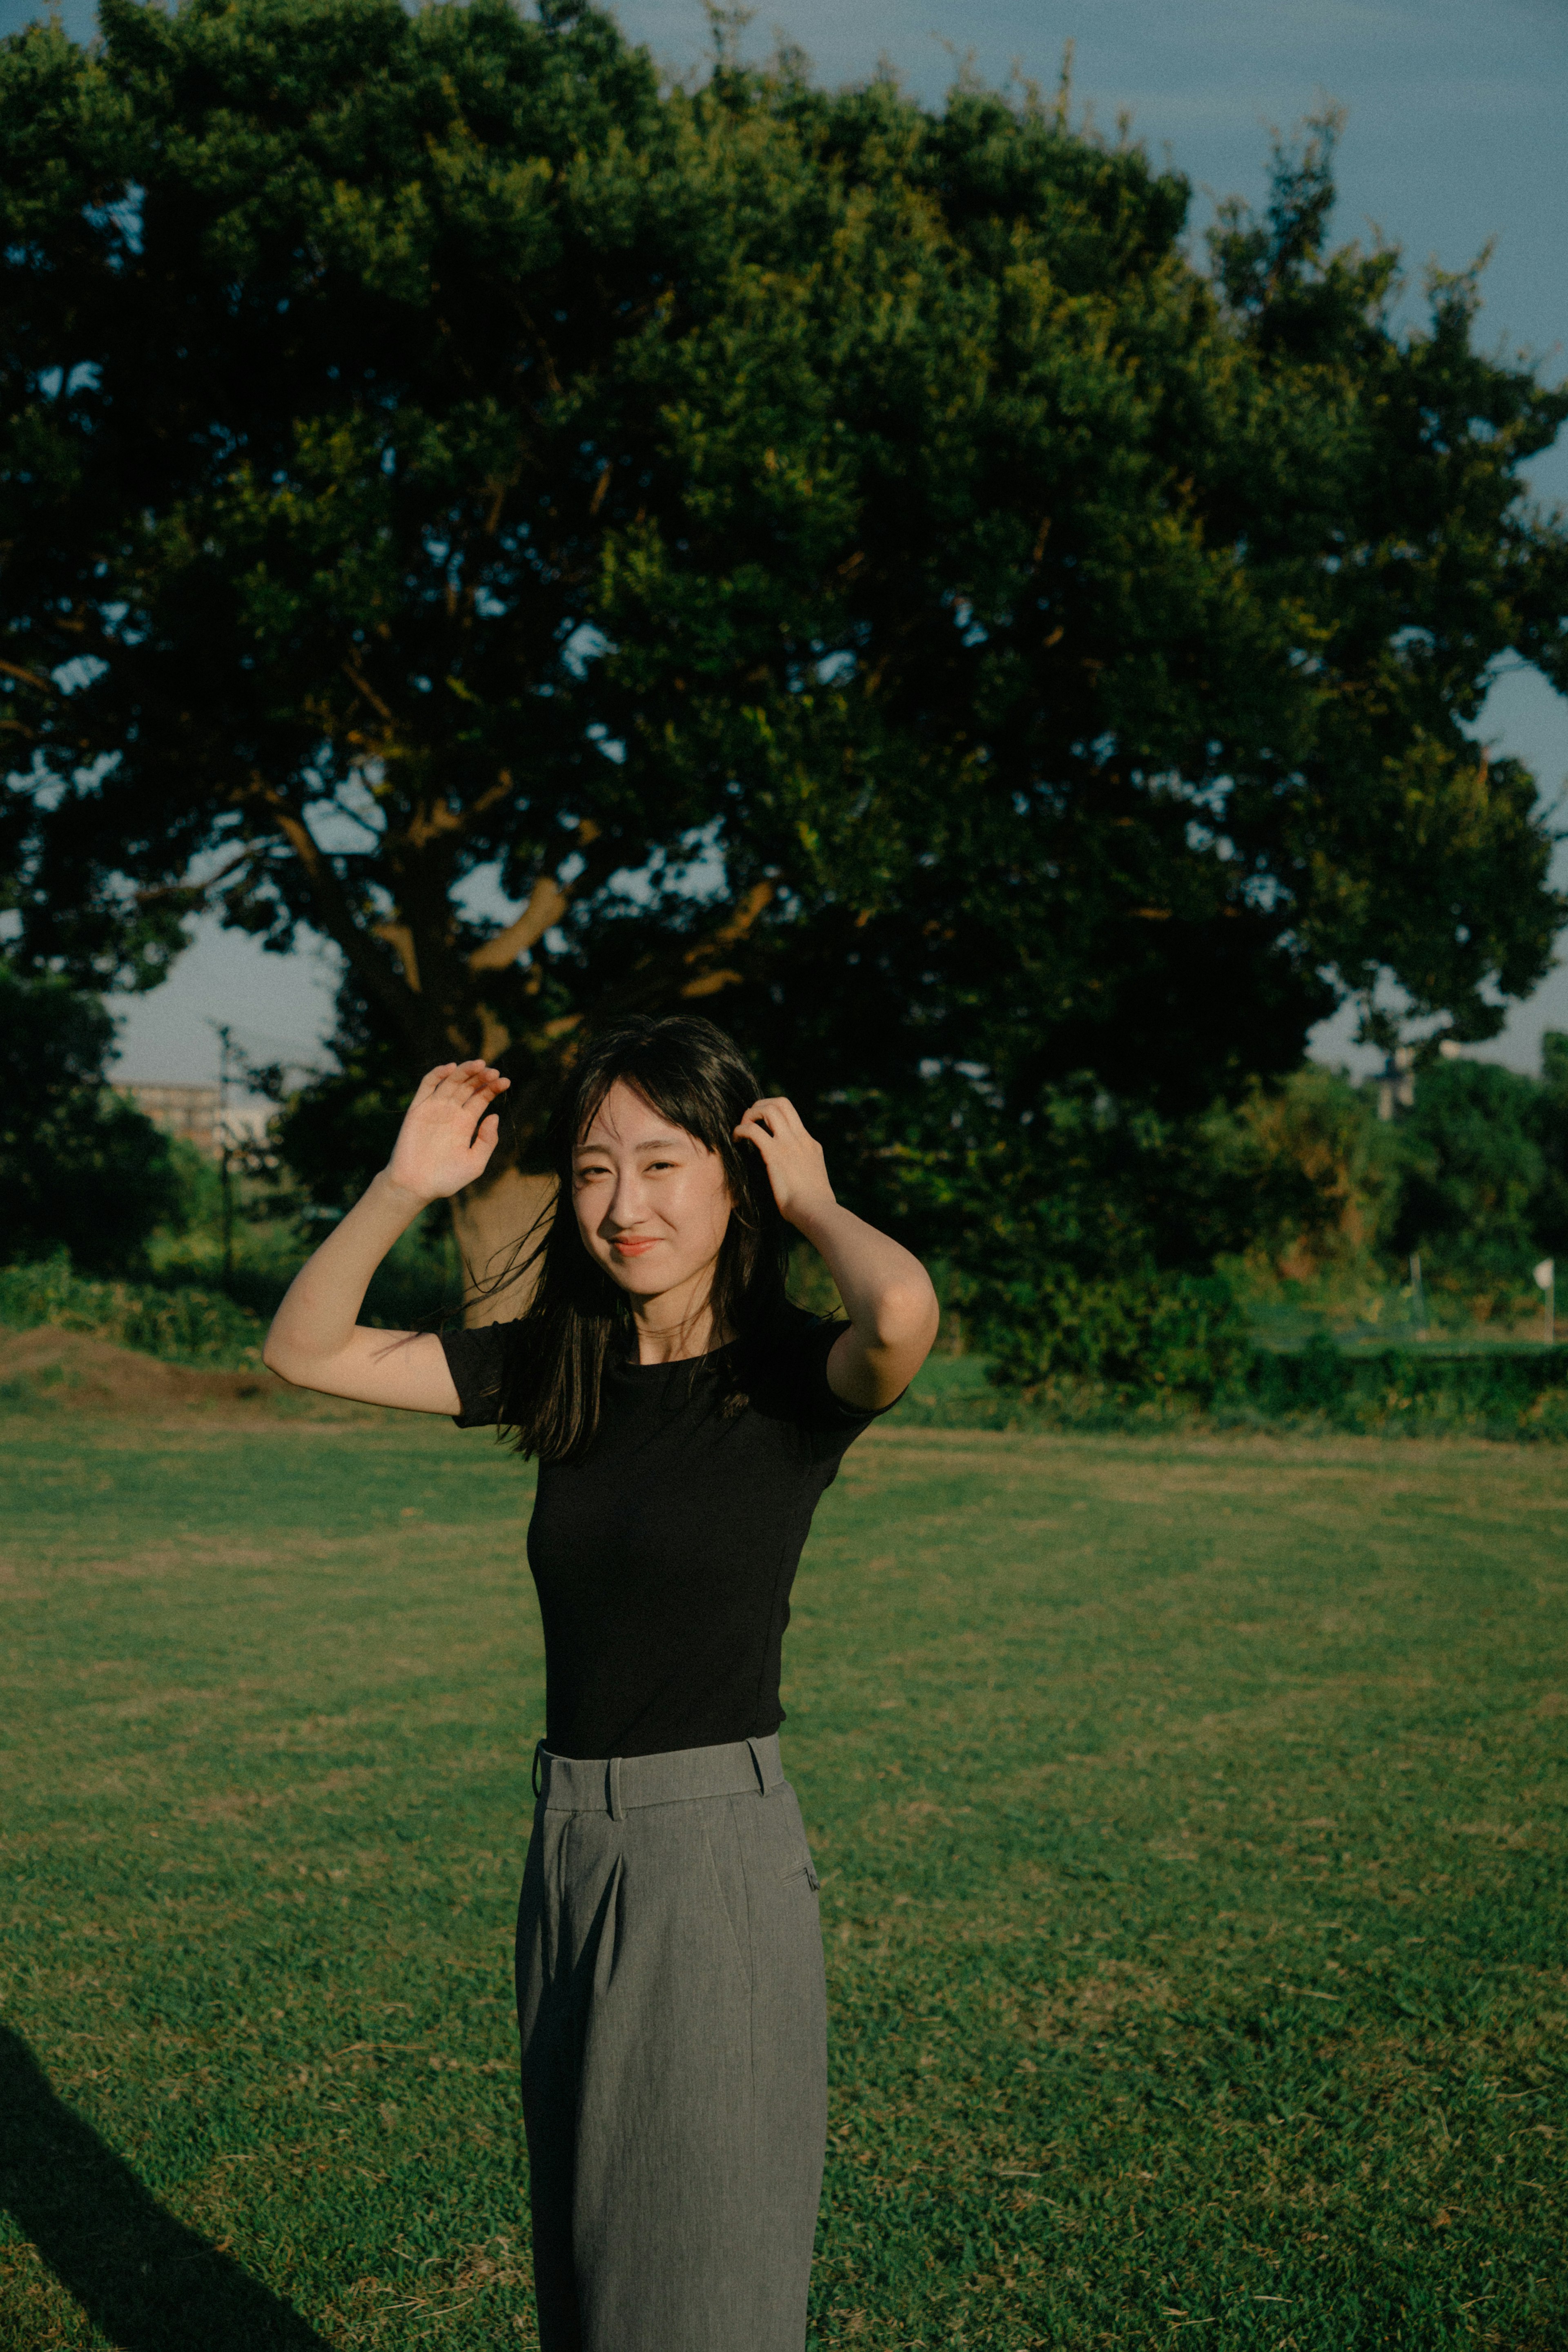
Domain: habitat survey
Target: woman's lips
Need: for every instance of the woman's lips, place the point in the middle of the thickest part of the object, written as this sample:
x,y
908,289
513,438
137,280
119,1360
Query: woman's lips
x,y
631,1245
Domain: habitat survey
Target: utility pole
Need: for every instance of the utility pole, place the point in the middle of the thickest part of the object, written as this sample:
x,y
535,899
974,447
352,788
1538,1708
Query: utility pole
x,y
225,1049
1546,1282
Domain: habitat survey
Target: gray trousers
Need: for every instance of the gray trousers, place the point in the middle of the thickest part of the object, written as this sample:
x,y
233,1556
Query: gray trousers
x,y
674,2026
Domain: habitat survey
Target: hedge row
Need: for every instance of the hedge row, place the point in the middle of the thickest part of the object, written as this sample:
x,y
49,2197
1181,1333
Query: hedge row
x,y
1086,1355
1153,1346
1520,1393
184,1326
1385,1395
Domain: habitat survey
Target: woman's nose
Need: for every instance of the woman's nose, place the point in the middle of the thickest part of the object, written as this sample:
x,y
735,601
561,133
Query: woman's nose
x,y
626,1202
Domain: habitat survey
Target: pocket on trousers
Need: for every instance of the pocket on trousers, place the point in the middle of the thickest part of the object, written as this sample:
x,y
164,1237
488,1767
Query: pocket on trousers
x,y
729,1894
781,1828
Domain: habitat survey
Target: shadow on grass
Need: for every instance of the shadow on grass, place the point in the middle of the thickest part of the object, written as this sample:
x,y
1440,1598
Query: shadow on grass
x,y
146,2280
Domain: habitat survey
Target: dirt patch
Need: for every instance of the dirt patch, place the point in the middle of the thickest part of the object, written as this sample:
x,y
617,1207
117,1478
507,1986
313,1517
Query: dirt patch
x,y
74,1367
1094,2004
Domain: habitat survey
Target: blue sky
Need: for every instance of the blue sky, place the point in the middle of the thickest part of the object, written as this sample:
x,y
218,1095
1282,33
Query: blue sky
x,y
1455,136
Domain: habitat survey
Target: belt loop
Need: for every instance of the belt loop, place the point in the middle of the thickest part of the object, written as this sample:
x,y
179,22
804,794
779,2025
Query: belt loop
x,y
617,1810
757,1767
539,1753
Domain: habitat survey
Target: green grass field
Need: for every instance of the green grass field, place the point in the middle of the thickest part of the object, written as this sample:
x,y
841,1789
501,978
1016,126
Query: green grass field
x,y
1190,1822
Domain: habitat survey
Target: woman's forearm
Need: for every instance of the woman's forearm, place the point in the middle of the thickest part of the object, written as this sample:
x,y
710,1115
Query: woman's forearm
x,y
887,1294
446,1141
320,1308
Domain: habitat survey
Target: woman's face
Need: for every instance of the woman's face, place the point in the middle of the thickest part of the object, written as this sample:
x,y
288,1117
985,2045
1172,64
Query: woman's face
x,y
652,1202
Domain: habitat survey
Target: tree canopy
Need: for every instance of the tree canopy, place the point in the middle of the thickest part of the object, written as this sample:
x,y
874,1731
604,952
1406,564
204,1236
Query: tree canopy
x,y
80,1167
1485,1168
580,543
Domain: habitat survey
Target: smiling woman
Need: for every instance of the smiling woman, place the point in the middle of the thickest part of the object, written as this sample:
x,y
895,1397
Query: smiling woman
x,y
638,1196
687,1419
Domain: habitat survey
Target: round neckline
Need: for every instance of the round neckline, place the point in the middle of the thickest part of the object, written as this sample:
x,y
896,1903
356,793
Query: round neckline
x,y
672,1363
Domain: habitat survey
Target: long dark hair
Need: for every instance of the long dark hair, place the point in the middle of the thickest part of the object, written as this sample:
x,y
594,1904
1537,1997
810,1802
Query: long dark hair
x,y
577,1318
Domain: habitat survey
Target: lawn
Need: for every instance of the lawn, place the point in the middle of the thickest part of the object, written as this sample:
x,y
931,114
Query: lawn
x,y
1189,1815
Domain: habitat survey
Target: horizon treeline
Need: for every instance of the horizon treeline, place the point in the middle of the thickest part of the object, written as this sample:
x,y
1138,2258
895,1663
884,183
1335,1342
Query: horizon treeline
x,y
1301,1186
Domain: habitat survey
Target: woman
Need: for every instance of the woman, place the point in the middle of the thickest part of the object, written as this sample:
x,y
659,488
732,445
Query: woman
x,y
686,1418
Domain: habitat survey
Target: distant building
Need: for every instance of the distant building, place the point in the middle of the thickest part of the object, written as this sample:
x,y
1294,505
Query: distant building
x,y
1396,1079
1396,1083
197,1113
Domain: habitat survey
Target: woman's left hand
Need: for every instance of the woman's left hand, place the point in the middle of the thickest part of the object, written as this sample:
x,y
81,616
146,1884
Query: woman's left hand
x,y
797,1166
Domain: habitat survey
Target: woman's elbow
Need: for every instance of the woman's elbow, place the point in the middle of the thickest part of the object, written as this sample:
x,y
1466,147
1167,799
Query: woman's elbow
x,y
284,1361
908,1315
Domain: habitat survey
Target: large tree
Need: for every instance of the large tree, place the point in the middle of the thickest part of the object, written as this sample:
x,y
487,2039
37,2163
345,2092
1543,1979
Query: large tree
x,y
803,555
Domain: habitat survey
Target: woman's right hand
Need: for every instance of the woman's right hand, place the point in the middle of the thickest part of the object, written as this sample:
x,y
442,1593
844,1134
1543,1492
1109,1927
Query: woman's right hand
x,y
449,1130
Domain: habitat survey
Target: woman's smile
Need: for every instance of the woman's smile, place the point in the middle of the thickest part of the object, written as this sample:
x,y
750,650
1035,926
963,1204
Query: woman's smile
x,y
633,1244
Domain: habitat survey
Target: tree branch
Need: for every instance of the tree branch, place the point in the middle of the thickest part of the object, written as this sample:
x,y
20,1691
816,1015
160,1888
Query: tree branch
x,y
548,902
710,977
400,938
333,914
241,858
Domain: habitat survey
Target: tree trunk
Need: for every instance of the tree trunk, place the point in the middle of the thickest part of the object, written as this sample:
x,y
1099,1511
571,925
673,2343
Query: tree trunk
x,y
489,1220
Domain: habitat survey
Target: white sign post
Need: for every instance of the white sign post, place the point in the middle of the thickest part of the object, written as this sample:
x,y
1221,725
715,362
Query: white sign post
x,y
1546,1282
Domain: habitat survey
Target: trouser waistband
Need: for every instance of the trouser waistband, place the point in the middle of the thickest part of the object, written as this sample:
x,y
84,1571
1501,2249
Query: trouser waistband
x,y
614,1784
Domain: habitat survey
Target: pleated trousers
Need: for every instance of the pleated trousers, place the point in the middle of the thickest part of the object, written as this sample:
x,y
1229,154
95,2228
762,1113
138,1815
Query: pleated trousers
x,y
671,2001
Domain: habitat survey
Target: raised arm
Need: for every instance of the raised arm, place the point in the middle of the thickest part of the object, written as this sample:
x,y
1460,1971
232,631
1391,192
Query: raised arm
x,y
317,1341
887,1294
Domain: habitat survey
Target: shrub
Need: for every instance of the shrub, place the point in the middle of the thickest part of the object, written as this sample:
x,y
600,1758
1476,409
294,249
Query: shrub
x,y
80,1168
1142,1335
1474,1172
1499,1393
193,1327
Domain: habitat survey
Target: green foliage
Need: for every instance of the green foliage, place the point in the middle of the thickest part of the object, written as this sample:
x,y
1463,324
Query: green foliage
x,y
432,449
1474,1168
1327,1198
187,1325
1501,1392
199,1203
1549,1129
80,1168
190,1315
416,1283
1155,1334
1312,1177
338,1128
1473,1175
1079,1181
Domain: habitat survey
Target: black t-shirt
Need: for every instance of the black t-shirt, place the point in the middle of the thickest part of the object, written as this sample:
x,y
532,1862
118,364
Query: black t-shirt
x,y
665,1555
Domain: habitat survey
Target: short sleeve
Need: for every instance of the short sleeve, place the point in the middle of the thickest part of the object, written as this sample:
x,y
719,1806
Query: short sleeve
x,y
477,1361
831,1423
